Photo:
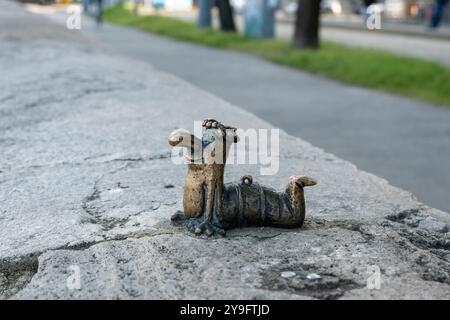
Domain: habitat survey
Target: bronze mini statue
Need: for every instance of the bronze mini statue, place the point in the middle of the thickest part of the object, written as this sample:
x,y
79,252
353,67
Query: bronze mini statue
x,y
212,206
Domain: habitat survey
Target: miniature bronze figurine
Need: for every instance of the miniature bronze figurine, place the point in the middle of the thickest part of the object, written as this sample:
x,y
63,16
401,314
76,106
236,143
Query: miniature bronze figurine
x,y
212,206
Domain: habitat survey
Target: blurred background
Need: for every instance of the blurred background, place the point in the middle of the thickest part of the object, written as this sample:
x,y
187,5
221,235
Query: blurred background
x,y
399,11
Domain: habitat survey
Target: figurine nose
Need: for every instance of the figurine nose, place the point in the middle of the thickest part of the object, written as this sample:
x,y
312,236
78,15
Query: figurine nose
x,y
173,141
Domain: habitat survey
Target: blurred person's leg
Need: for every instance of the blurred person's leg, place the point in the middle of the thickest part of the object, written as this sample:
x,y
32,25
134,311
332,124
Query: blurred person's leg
x,y
364,10
437,12
226,15
204,15
99,13
86,6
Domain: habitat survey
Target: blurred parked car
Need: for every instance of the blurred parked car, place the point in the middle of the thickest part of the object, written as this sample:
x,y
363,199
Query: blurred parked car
x,y
404,10
331,6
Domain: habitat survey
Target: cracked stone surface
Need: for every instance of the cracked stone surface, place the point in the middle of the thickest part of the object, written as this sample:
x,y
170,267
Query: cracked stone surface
x,y
86,180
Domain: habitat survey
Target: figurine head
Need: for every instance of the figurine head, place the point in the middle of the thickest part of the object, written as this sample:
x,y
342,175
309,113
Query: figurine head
x,y
217,140
212,148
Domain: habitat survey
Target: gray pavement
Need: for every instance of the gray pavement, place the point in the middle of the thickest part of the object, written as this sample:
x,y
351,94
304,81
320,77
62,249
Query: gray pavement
x,y
402,140
437,50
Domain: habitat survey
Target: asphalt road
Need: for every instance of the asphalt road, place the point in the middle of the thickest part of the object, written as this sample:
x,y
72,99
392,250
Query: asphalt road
x,y
405,141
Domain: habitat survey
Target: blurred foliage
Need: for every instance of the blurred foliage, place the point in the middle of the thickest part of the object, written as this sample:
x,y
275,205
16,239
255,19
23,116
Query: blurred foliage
x,y
424,80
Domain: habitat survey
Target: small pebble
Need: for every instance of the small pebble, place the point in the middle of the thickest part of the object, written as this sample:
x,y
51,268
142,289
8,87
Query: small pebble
x,y
313,276
287,274
371,232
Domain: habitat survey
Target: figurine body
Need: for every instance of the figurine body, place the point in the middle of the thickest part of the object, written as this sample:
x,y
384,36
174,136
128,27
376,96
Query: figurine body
x,y
210,205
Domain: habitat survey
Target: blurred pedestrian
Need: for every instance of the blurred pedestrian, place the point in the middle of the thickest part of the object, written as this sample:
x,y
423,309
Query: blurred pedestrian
x,y
86,6
226,15
365,10
367,4
438,10
99,12
204,13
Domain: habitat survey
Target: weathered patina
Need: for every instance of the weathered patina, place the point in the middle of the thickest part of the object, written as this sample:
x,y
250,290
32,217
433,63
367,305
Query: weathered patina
x,y
212,206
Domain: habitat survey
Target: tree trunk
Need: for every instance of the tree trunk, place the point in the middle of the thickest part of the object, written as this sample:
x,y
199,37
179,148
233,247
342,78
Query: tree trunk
x,y
226,15
307,24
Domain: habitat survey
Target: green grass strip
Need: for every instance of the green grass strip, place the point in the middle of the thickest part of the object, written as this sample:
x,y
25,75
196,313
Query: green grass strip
x,y
411,77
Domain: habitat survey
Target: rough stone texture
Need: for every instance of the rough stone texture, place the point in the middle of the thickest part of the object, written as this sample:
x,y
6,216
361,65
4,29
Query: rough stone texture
x,y
85,180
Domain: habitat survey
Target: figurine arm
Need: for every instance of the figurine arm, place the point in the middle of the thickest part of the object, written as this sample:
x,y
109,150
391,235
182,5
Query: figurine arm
x,y
208,212
210,200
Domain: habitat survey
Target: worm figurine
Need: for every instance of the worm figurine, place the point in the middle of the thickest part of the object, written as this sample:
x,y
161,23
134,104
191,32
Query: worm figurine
x,y
211,206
